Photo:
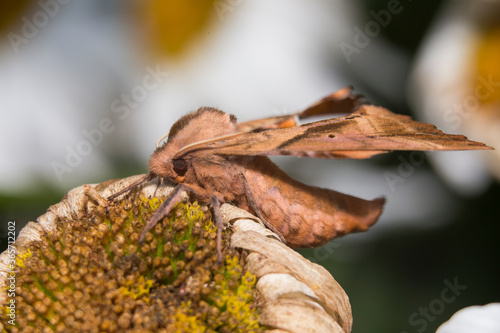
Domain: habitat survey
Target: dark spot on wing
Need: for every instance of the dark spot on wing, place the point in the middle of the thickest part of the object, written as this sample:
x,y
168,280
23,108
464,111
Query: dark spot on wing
x,y
319,130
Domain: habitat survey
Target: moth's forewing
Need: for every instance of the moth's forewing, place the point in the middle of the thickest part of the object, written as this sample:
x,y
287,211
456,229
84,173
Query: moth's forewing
x,y
343,101
370,130
267,123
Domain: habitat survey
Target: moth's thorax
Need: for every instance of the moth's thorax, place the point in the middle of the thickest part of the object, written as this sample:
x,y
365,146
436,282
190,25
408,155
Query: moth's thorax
x,y
204,124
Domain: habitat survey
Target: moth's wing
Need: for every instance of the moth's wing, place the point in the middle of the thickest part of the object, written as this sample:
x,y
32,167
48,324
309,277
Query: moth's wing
x,y
289,120
369,131
343,101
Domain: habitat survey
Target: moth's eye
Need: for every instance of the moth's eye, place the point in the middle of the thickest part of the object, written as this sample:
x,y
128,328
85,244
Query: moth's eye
x,y
180,167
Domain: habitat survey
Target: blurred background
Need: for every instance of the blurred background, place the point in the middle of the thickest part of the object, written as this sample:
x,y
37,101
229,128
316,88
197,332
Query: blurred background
x,y
87,87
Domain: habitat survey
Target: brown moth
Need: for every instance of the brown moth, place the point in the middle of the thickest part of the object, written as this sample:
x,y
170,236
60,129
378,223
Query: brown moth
x,y
219,160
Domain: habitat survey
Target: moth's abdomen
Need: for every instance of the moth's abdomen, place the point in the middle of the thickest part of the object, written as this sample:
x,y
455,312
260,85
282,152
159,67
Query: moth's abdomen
x,y
306,216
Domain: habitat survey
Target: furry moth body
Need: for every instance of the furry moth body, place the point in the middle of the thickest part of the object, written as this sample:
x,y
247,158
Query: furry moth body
x,y
219,160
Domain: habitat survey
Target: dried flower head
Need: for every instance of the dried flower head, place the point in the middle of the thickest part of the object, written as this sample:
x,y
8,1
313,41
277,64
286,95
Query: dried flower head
x,y
80,267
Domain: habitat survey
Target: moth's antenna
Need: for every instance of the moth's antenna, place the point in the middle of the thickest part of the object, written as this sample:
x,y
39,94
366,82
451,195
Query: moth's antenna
x,y
201,144
147,177
161,139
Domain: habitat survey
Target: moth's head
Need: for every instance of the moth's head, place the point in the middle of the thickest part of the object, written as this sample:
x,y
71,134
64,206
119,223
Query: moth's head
x,y
203,124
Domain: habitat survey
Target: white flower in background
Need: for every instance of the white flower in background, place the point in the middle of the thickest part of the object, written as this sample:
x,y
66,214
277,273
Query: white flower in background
x,y
455,84
477,319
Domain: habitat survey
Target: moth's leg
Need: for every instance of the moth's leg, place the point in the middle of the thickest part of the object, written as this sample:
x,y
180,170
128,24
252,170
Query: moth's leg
x,y
169,203
174,198
147,177
162,180
251,203
218,223
164,209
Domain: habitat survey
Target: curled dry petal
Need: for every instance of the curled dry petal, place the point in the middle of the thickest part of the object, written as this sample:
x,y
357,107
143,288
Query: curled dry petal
x,y
296,278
